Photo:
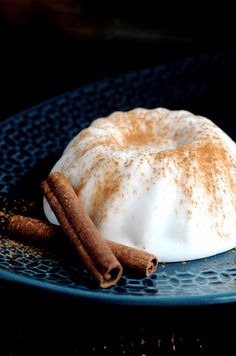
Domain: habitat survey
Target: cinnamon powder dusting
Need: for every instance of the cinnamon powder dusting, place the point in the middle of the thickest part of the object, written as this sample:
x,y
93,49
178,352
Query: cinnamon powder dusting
x,y
188,151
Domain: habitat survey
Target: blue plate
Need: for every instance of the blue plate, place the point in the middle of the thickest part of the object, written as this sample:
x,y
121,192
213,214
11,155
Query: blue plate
x,y
33,140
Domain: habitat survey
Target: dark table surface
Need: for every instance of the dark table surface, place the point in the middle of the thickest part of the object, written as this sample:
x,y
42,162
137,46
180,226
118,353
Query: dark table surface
x,y
41,58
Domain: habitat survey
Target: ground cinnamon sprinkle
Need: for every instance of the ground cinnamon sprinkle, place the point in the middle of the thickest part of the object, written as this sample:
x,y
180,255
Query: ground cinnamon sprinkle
x,y
196,161
209,159
105,188
10,208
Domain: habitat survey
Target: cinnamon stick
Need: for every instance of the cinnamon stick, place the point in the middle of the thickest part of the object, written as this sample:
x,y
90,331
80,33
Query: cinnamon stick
x,y
82,233
139,260
32,230
75,242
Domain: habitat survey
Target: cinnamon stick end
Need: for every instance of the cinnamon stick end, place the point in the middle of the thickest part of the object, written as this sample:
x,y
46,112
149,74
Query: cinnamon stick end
x,y
151,266
112,276
31,230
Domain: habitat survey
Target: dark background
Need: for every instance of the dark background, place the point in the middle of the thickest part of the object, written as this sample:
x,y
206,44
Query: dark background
x,y
49,47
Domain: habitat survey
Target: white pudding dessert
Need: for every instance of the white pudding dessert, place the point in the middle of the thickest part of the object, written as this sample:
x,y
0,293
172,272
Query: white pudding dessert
x,y
159,180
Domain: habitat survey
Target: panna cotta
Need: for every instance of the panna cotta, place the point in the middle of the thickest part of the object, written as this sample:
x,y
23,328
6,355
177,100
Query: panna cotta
x,y
160,180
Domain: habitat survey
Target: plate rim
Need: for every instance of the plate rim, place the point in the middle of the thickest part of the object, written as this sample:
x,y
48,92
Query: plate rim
x,y
149,301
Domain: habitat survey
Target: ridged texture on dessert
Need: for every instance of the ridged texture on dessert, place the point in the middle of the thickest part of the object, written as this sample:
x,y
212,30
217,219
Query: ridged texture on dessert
x,y
160,180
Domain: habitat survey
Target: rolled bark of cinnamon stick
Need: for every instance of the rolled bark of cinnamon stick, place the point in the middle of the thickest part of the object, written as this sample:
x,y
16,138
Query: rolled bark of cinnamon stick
x,y
68,230
34,230
82,233
130,257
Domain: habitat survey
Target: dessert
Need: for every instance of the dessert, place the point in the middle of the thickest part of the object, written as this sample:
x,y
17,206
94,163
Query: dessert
x,y
163,181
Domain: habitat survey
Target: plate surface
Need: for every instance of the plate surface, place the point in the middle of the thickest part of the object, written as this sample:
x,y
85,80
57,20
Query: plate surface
x,y
33,140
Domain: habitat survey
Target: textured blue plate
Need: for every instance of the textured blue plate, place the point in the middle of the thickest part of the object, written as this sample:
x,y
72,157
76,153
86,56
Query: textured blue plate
x,y
32,141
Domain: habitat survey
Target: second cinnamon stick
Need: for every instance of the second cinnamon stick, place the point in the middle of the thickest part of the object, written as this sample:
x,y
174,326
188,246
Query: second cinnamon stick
x,y
79,228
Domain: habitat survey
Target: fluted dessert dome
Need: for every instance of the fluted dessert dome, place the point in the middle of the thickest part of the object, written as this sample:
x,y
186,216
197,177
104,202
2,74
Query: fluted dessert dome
x,y
160,180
